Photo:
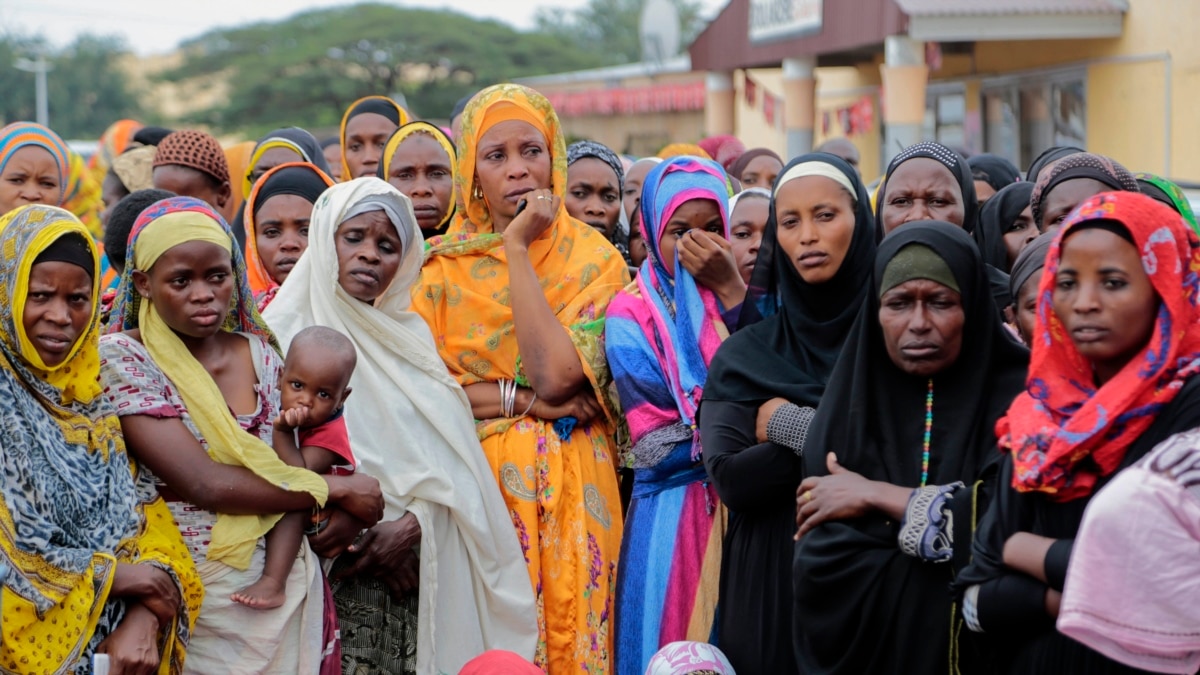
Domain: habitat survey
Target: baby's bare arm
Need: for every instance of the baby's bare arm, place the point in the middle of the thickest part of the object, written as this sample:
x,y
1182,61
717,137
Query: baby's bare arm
x,y
320,460
284,442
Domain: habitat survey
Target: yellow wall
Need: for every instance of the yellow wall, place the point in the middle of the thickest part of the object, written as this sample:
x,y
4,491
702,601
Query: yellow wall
x,y
836,88
750,123
840,87
1126,101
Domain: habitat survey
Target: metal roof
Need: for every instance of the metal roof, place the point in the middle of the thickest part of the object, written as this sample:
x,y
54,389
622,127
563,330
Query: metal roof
x,y
848,26
929,8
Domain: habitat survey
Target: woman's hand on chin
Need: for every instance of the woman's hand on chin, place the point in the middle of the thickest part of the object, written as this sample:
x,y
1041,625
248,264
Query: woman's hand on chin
x,y
541,209
358,494
709,258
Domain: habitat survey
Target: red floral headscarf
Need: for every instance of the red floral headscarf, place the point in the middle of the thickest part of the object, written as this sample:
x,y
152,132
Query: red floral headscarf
x,y
1063,418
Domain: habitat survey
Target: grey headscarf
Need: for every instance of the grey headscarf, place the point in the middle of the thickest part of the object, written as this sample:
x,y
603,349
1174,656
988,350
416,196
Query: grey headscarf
x,y
392,207
580,149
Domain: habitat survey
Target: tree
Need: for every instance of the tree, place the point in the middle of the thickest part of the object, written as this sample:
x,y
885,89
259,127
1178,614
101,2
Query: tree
x,y
308,68
86,90
609,28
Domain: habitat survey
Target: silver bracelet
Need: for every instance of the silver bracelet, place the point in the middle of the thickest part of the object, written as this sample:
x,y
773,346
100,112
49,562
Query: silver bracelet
x,y
508,397
531,402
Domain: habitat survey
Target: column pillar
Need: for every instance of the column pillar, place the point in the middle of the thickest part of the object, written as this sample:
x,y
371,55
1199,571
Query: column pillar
x,y
799,104
1037,127
718,104
905,77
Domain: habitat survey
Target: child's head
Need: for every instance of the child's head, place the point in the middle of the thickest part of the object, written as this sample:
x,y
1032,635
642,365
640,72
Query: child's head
x,y
124,214
316,373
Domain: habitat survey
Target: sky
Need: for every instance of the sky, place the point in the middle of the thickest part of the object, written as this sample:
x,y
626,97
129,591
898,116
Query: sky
x,y
157,26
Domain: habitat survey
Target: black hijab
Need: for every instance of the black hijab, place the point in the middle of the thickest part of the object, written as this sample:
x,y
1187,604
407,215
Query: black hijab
x,y
1030,261
378,105
997,215
994,170
791,353
862,606
310,148
300,180
1049,156
947,158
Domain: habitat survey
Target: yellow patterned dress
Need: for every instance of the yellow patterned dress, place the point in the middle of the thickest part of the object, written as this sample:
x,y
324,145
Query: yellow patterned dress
x,y
69,508
559,484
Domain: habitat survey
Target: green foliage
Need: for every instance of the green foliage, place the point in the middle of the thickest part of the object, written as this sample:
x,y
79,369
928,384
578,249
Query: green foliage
x,y
609,28
307,69
86,90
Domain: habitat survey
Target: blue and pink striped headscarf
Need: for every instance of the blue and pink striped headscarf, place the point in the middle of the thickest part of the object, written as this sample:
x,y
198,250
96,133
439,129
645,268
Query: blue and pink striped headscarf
x,y
22,134
684,316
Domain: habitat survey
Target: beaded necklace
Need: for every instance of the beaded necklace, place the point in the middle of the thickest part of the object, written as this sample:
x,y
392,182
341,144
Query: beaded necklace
x,y
928,433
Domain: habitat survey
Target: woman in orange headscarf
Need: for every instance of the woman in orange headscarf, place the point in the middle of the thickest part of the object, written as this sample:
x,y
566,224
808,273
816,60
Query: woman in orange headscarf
x,y
516,303
115,140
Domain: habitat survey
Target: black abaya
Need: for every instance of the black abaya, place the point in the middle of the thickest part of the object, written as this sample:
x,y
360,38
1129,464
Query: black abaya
x,y
789,355
862,606
1011,606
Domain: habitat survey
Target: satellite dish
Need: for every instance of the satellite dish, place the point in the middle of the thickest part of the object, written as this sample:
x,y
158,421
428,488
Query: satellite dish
x,y
659,30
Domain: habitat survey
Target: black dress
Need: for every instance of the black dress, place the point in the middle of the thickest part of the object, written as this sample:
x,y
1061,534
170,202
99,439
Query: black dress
x,y
789,355
1011,606
863,605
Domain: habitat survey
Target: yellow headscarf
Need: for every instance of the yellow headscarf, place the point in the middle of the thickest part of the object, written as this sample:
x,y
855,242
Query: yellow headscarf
x,y
496,104
402,134
380,105
681,149
237,156
82,194
78,376
233,536
58,586
115,140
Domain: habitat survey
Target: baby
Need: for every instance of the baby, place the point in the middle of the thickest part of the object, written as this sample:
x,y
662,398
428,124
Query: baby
x,y
313,387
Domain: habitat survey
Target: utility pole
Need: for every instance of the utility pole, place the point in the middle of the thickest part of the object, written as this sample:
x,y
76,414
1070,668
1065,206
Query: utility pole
x,y
39,68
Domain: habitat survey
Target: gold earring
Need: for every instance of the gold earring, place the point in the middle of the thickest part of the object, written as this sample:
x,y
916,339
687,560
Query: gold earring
x,y
477,192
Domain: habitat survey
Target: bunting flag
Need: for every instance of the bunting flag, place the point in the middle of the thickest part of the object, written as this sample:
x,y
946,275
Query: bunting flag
x,y
853,120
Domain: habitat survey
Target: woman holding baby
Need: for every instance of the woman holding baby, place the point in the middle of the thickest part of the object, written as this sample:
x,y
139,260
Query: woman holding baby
x,y
440,579
193,375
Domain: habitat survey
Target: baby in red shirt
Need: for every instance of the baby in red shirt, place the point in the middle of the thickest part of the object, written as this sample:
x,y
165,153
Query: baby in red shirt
x,y
309,432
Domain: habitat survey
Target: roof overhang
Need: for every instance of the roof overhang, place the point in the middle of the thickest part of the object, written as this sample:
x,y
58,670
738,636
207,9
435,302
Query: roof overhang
x,y
972,20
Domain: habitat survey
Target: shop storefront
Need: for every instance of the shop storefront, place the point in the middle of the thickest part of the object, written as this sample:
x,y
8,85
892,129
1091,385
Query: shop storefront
x,y
1010,77
635,109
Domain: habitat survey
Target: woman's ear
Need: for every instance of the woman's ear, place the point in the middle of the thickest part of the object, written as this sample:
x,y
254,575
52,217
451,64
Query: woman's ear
x,y
141,283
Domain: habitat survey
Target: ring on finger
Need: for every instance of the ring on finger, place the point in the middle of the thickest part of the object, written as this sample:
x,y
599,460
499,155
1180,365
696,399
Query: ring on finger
x,y
807,496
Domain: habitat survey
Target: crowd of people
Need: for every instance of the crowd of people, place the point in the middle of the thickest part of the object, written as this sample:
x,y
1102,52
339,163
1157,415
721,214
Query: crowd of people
x,y
473,400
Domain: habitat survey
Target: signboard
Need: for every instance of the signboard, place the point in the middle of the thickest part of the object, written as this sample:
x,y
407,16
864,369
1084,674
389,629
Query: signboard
x,y
683,97
774,19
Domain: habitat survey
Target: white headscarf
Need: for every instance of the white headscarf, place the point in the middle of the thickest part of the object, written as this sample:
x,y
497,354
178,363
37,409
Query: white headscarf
x,y
411,428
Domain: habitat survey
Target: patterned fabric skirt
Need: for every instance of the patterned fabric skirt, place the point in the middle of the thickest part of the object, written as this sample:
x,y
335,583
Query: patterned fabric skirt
x,y
379,635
